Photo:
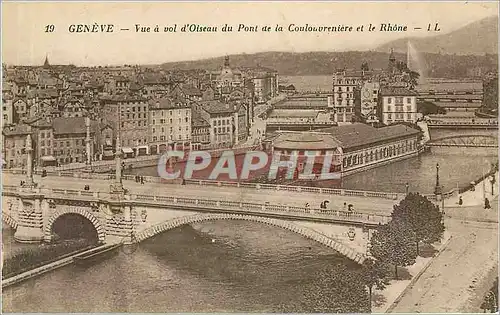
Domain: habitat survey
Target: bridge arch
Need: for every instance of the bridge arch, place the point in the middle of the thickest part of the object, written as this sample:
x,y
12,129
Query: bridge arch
x,y
287,225
101,235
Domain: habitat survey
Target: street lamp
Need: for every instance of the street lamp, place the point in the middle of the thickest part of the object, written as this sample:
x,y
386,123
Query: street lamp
x,y
492,181
407,186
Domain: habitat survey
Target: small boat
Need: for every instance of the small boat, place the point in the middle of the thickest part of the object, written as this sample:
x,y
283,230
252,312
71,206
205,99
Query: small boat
x,y
95,255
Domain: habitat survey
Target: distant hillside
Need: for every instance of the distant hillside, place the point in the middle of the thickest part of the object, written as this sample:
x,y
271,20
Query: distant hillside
x,y
476,38
325,63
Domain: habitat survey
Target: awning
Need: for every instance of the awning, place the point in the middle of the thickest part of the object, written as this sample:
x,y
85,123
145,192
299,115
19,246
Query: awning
x,y
48,158
108,153
127,150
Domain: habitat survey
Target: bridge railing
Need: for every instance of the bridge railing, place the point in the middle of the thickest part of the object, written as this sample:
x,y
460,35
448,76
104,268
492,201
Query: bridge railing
x,y
256,186
317,190
461,123
241,207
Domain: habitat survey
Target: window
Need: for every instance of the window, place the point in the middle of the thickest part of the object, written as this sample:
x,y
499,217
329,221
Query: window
x,y
408,100
154,138
408,108
170,120
154,130
389,100
408,116
389,116
170,112
162,129
154,122
186,119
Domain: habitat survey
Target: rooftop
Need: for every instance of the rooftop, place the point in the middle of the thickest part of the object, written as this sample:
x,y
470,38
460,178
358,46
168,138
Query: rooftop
x,y
71,125
396,91
217,107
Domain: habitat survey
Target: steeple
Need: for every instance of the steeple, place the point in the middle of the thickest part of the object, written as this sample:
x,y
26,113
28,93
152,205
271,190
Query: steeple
x,y
392,62
46,63
226,62
391,56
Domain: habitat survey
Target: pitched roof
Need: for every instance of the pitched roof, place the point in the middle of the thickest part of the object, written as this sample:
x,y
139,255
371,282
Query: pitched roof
x,y
217,107
71,125
197,120
17,130
306,141
396,91
358,134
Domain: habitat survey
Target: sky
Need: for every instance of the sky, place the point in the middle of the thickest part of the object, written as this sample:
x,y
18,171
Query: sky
x,y
25,42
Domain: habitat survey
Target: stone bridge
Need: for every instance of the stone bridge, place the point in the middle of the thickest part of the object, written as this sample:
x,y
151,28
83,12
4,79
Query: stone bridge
x,y
129,218
480,141
449,128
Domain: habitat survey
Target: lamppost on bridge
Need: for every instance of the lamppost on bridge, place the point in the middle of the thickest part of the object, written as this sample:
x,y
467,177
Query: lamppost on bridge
x,y
407,187
117,187
438,190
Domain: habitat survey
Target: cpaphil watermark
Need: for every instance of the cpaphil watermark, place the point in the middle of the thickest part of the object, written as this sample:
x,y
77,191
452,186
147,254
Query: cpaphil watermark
x,y
251,164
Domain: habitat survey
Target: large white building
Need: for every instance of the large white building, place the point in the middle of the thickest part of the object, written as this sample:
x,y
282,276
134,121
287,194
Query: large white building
x,y
397,105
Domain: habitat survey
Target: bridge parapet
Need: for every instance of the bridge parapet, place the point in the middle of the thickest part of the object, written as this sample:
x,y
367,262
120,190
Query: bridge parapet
x,y
215,183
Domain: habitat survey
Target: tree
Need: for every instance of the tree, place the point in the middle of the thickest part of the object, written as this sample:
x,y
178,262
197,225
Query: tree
x,y
394,243
490,302
338,287
374,275
424,218
428,108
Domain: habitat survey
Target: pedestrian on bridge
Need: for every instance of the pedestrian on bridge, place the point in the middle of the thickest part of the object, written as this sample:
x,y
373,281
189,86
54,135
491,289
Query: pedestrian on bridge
x,y
487,203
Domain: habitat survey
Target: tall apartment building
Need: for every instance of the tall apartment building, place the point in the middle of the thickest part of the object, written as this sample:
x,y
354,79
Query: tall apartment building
x,y
345,83
129,116
170,125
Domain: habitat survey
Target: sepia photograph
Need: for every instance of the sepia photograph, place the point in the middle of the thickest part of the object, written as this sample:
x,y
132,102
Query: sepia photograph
x,y
252,157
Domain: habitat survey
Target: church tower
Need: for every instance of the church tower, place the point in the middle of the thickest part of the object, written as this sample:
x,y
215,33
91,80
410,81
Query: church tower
x,y
226,62
46,63
392,62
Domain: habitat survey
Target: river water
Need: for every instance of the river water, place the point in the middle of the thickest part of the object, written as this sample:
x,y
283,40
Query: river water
x,y
222,266
458,166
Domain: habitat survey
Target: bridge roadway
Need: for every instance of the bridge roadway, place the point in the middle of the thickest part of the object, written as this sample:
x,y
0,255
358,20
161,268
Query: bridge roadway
x,y
371,205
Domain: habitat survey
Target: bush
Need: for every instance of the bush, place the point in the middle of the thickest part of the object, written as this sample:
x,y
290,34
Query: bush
x,y
32,258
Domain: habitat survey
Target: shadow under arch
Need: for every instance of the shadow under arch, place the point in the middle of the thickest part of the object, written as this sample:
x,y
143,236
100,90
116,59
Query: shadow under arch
x,y
101,235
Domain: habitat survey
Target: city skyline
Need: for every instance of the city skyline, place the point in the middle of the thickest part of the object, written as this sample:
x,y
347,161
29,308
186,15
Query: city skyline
x,y
29,20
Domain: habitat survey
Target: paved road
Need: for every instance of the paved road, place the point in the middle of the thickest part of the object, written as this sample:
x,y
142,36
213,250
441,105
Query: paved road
x,y
361,204
458,279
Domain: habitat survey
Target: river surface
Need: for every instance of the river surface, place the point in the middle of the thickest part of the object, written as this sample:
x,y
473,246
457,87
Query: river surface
x,y
222,266
458,167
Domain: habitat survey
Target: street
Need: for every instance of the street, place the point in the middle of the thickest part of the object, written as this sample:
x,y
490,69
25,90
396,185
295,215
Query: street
x,y
457,280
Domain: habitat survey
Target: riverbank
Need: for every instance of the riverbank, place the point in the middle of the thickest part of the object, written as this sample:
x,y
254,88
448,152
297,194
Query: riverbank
x,y
32,258
55,263
385,300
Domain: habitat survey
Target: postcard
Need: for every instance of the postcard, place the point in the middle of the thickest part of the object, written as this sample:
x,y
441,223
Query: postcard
x,y
253,157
